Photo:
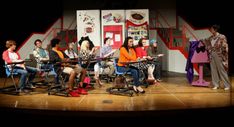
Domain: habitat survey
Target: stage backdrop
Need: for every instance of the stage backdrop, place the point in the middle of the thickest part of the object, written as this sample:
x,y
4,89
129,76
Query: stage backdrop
x,y
113,26
88,24
137,22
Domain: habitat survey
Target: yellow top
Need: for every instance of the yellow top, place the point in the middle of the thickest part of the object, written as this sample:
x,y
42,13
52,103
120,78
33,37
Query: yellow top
x,y
59,53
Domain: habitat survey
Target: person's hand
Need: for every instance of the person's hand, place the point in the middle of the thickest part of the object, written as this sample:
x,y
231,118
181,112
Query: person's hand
x,y
159,55
138,59
149,58
143,59
93,50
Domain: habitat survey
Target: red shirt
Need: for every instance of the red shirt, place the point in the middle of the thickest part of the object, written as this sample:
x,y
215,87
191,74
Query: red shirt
x,y
140,52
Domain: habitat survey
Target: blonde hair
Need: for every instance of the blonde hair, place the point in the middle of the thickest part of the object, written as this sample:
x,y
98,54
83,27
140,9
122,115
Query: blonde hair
x,y
9,43
84,45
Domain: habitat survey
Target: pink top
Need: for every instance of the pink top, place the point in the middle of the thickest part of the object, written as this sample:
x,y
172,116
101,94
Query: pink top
x,y
141,52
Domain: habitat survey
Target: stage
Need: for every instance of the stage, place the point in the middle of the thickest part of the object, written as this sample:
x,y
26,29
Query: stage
x,y
173,93
173,101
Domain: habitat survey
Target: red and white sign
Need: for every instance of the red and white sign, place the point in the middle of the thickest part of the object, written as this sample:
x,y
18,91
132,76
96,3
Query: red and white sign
x,y
113,26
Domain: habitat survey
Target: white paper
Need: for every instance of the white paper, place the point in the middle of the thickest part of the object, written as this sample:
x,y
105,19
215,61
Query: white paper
x,y
117,37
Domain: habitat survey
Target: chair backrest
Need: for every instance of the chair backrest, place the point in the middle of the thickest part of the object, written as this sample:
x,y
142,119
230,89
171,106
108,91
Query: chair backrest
x,y
115,66
8,71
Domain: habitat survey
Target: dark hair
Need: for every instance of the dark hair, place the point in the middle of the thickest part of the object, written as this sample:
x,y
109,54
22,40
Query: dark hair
x,y
35,42
140,42
9,43
125,44
54,42
106,40
215,27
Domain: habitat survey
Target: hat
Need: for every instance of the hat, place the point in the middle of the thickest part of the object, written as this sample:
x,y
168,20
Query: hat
x,y
153,41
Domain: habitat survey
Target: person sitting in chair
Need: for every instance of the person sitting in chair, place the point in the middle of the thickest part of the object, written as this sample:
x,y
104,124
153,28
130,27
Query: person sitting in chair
x,y
107,51
142,54
10,56
70,51
42,58
153,52
86,54
57,56
128,54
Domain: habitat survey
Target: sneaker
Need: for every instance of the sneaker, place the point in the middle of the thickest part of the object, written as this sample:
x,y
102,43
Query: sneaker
x,y
81,91
215,88
159,80
88,86
32,87
74,94
227,88
23,91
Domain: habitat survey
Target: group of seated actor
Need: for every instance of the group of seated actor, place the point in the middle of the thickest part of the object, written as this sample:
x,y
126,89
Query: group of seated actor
x,y
59,61
128,53
150,53
61,64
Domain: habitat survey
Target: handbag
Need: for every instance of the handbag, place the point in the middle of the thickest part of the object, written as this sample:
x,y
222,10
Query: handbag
x,y
87,80
119,82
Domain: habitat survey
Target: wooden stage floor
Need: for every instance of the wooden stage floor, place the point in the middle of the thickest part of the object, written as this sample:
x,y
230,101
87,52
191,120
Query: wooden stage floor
x,y
172,94
173,102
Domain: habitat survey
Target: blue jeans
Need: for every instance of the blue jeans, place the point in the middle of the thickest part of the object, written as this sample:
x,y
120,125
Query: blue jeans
x,y
157,69
134,73
50,68
24,73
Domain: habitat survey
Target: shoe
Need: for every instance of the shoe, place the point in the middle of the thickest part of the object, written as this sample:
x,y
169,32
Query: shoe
x,y
150,81
135,90
215,88
32,87
88,86
140,90
74,94
81,91
159,80
23,91
227,88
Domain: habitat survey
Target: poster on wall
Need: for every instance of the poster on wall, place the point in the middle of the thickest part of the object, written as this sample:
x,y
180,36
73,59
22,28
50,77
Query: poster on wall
x,y
113,26
88,26
137,22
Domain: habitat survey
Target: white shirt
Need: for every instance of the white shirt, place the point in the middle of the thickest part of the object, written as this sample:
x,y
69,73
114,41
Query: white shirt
x,y
71,54
14,58
214,40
